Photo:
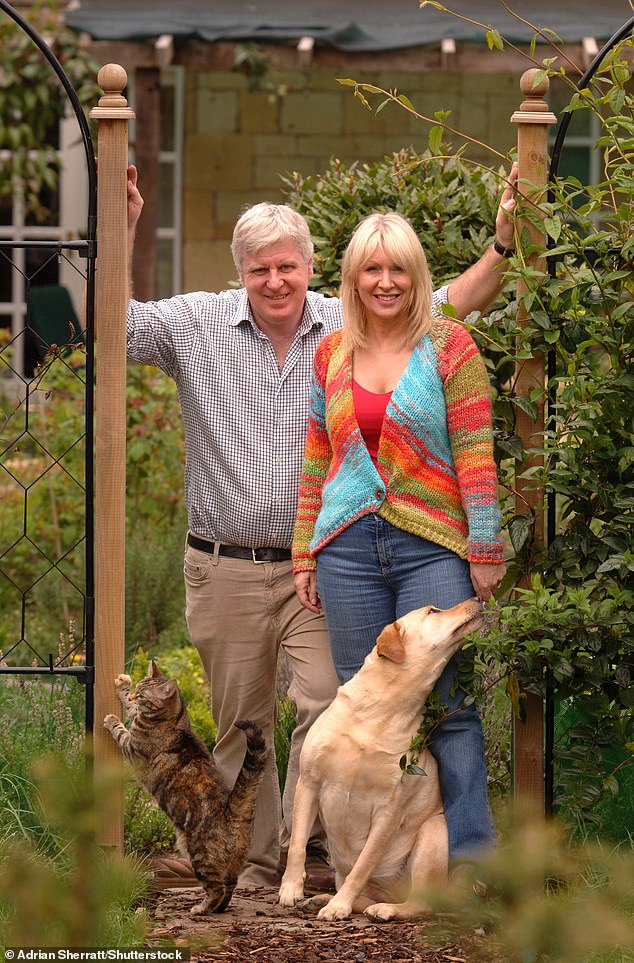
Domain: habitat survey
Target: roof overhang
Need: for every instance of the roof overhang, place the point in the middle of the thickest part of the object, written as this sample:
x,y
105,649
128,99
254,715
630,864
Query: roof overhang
x,y
354,26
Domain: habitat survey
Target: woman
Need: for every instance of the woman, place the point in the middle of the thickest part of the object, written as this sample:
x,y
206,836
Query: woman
x,y
398,498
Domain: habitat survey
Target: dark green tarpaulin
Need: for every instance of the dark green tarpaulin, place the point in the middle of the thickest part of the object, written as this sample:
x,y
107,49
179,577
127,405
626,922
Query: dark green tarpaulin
x,y
347,25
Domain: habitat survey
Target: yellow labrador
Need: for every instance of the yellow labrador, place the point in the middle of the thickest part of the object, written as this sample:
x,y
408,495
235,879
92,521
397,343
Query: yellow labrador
x,y
386,830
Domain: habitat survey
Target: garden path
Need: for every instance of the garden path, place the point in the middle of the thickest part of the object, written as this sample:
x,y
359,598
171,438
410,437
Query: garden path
x,y
255,927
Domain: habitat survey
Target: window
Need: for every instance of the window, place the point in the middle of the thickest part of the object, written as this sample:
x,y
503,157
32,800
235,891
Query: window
x,y
65,218
168,260
170,176
579,157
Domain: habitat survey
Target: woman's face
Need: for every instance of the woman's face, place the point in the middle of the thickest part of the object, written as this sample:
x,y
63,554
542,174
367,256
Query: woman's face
x,y
384,288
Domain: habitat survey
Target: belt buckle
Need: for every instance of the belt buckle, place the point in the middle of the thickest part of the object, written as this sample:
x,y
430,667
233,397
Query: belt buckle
x,y
257,561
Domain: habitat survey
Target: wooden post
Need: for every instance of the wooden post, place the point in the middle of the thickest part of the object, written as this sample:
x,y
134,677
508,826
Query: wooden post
x,y
111,298
533,119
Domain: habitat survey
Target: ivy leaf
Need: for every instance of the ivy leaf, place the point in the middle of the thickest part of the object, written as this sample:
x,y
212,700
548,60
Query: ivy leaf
x,y
511,445
519,528
416,771
526,405
552,226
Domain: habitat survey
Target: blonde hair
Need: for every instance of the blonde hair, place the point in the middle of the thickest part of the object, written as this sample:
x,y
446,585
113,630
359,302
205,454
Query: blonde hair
x,y
395,235
264,224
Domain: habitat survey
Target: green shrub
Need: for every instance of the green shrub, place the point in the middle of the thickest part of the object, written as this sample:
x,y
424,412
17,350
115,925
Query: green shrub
x,y
155,592
43,497
450,203
146,828
548,901
39,716
285,720
82,897
33,101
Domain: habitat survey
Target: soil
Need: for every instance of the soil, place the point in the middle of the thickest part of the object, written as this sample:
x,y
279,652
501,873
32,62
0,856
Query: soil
x,y
256,928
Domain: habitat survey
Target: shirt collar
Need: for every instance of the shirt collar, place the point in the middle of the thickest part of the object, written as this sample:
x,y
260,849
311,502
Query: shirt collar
x,y
243,312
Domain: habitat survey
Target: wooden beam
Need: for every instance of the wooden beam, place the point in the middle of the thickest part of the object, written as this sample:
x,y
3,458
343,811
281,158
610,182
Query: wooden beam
x,y
164,50
111,299
469,58
447,53
305,50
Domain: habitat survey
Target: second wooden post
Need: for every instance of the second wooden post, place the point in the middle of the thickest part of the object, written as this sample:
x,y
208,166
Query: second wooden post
x,y
533,119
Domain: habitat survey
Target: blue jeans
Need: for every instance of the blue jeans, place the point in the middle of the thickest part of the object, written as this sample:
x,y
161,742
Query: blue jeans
x,y
370,575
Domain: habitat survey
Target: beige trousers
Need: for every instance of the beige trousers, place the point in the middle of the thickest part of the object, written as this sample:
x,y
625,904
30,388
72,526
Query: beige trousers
x,y
239,614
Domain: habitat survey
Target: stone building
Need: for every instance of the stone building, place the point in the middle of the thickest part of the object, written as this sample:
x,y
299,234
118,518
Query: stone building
x,y
232,94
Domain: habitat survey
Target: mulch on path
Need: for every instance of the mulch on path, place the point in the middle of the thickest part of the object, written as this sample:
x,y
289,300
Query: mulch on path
x,y
255,927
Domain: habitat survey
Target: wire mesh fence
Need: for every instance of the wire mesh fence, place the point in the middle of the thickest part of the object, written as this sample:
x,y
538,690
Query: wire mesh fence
x,y
45,479
46,409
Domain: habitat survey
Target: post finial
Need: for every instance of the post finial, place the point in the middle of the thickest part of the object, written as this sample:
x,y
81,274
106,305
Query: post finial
x,y
534,89
534,84
112,78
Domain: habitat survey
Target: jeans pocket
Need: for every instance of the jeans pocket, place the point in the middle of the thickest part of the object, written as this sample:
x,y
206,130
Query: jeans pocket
x,y
196,566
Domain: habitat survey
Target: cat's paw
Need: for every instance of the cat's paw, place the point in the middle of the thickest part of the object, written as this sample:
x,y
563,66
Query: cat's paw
x,y
202,908
111,721
123,681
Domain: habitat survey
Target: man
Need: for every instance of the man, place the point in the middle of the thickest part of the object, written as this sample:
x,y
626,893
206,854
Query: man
x,y
242,360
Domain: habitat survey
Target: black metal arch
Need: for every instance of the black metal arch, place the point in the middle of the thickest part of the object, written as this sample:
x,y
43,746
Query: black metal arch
x,y
562,129
551,516
86,248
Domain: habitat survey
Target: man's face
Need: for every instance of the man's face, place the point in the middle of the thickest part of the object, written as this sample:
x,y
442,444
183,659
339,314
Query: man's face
x,y
276,280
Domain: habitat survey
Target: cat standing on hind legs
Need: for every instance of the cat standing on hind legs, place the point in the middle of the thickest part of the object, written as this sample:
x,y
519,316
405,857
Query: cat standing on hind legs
x,y
212,823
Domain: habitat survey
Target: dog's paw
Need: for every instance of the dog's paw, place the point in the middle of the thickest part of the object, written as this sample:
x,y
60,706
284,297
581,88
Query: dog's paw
x,y
335,909
382,912
290,892
110,721
123,681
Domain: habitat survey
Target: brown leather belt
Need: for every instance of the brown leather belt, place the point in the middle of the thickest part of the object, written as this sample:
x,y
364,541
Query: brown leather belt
x,y
256,555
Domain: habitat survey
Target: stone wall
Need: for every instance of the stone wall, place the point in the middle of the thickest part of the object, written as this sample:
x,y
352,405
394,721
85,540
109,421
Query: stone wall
x,y
238,141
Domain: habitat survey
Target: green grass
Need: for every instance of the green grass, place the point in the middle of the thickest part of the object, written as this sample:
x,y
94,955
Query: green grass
x,y
57,887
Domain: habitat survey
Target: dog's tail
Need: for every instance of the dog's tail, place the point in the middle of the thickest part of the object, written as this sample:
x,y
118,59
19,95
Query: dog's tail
x,y
242,796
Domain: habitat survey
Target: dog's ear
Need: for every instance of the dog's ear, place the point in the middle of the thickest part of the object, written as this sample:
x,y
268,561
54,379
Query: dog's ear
x,y
390,643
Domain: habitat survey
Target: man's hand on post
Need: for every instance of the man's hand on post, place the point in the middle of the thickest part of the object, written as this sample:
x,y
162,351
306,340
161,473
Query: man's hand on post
x,y
135,201
504,225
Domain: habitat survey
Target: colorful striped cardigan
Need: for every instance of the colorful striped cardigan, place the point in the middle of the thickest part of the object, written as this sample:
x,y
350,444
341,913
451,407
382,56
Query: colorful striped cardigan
x,y
435,475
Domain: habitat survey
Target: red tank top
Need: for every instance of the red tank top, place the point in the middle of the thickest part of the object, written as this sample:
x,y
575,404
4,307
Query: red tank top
x,y
370,408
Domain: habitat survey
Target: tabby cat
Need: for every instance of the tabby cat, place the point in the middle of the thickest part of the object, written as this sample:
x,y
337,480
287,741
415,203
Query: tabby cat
x,y
213,824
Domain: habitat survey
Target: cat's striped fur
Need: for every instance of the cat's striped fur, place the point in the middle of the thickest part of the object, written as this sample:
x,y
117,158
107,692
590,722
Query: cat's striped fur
x,y
213,824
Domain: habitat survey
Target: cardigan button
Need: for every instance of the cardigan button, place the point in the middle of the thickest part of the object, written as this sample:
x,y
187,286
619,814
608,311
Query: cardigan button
x,y
379,494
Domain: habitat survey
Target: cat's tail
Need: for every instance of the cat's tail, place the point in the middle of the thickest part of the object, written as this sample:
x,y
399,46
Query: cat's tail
x,y
243,793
